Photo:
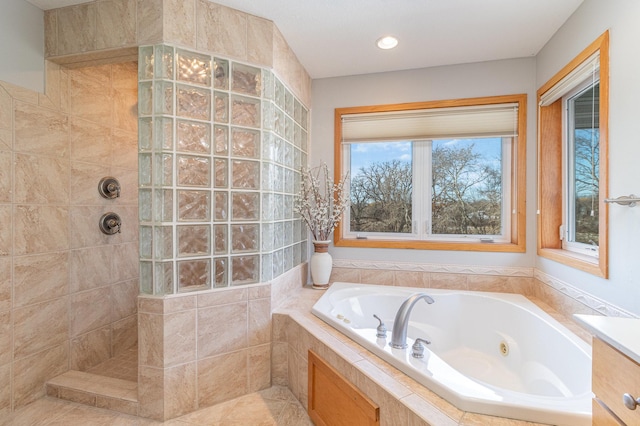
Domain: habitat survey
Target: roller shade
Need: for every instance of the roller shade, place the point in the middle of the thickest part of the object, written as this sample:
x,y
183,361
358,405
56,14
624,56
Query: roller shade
x,y
586,70
496,120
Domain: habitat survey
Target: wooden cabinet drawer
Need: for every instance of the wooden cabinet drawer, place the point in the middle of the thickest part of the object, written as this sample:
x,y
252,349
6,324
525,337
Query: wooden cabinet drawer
x,y
614,374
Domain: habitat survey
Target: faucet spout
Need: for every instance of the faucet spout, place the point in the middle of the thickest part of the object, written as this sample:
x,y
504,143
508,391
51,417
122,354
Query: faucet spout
x,y
401,323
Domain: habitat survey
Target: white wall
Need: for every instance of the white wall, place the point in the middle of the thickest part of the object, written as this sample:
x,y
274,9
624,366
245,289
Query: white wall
x,y
622,18
461,81
22,44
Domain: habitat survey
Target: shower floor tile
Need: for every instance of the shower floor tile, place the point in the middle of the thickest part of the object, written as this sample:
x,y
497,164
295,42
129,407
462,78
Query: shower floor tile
x,y
275,406
123,366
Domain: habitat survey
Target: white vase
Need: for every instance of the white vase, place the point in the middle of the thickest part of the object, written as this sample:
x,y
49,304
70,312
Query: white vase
x,y
321,264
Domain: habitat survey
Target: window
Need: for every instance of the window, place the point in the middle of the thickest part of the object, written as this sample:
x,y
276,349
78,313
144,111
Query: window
x,y
572,179
434,175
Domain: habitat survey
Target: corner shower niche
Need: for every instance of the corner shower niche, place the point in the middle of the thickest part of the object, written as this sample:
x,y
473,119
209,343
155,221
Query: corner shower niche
x,y
221,144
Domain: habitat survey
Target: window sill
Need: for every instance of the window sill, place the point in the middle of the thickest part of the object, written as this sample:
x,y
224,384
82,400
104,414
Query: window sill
x,y
430,245
584,263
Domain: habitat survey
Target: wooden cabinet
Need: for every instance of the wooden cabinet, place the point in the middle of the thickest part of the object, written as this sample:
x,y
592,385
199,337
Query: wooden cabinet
x,y
613,375
333,401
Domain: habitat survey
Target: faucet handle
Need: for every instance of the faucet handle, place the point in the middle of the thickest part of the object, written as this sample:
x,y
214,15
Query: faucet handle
x,y
417,350
381,330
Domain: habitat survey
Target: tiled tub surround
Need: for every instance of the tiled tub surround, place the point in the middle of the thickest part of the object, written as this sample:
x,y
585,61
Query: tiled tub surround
x,y
67,291
221,146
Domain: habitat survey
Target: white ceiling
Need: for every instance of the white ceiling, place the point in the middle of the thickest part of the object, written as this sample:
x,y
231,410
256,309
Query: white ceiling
x,y
337,37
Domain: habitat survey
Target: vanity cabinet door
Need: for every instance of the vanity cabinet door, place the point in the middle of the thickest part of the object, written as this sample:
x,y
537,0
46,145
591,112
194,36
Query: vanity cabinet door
x,y
614,374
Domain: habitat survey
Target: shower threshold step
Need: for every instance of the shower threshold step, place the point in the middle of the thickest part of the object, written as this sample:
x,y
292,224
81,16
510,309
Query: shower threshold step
x,y
97,391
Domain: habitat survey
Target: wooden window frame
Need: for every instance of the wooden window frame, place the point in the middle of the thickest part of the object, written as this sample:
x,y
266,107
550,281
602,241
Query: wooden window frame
x,y
517,243
551,168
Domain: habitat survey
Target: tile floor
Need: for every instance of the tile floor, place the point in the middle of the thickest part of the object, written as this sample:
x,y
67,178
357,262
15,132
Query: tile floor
x,y
275,406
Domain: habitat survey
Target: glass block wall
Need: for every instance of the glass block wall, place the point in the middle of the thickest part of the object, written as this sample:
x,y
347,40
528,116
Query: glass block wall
x,y
221,144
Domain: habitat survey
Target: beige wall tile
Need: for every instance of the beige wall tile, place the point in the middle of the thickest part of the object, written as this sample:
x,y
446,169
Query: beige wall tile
x,y
150,340
489,283
349,275
129,229
90,142
119,405
90,91
150,392
124,334
152,305
89,310
6,338
259,321
149,21
42,131
179,22
40,326
216,336
5,177
50,33
124,258
41,180
6,281
279,363
90,349
448,281
85,231
207,25
5,391
180,390
231,37
411,279
222,378
259,41
89,268
373,276
19,93
259,367
40,229
125,102
262,291
222,297
123,299
40,277
55,80
128,179
6,138
115,23
180,337
180,303
31,373
6,216
6,108
124,152
76,27
84,183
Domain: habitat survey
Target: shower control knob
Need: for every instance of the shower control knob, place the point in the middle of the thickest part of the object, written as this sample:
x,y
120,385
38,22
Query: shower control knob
x,y
630,402
110,223
109,187
417,350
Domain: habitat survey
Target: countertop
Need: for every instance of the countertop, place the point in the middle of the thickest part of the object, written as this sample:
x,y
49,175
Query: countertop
x,y
621,333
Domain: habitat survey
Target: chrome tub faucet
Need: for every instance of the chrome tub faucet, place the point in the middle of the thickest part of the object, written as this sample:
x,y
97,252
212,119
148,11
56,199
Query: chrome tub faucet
x,y
401,323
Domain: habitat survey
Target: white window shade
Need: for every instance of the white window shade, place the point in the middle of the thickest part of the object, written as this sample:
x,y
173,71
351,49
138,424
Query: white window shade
x,y
496,120
586,70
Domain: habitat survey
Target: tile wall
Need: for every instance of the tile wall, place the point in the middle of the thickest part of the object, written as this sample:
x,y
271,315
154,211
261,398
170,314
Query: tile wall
x,y
221,146
67,291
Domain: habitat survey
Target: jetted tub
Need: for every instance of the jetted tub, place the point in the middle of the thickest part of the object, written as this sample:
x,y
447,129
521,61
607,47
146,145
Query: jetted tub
x,y
490,353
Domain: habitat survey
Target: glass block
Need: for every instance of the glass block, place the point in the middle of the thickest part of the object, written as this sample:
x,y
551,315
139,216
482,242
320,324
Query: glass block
x,y
221,73
279,94
194,206
288,233
221,239
278,263
221,112
267,272
221,173
288,258
193,68
297,111
144,169
246,79
245,111
304,231
289,179
193,171
193,102
288,154
278,206
245,174
268,174
146,240
221,270
145,63
278,235
297,136
163,97
245,206
163,242
297,159
267,207
267,84
164,62
221,206
194,275
278,122
296,255
288,128
144,205
304,122
303,141
267,236
163,169
146,277
268,114
245,238
296,230
303,160
288,206
245,143
221,140
145,134
288,102
245,269
145,98
163,205
163,133
194,240
268,146
163,278
193,136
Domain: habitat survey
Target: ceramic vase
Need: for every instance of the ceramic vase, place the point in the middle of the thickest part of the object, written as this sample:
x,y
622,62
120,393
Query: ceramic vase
x,y
320,264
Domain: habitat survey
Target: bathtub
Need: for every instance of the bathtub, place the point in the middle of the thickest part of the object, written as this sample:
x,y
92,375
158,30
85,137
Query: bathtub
x,y
490,353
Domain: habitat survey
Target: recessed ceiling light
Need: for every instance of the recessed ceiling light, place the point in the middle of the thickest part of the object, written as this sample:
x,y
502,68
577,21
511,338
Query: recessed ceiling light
x,y
387,42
